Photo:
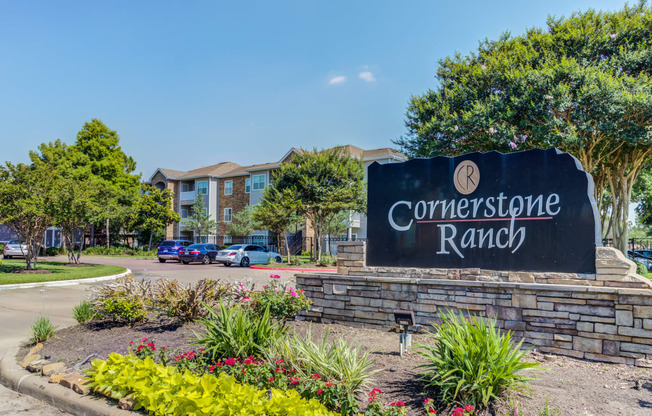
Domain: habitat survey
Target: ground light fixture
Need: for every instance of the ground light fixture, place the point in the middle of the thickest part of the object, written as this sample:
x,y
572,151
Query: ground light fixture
x,y
404,319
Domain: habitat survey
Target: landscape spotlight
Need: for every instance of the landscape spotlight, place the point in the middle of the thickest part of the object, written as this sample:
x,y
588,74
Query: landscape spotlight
x,y
404,319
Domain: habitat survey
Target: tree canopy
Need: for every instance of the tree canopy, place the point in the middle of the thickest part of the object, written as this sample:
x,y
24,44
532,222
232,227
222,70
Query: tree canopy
x,y
582,85
199,219
322,183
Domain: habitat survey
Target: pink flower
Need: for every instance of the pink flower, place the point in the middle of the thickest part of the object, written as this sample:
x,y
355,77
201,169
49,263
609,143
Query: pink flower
x,y
458,411
431,410
293,293
398,403
316,376
143,340
279,361
329,384
229,361
244,299
247,361
483,66
513,145
492,130
456,128
612,36
469,408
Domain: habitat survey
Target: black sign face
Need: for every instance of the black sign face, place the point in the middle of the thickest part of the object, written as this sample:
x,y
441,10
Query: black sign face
x,y
524,211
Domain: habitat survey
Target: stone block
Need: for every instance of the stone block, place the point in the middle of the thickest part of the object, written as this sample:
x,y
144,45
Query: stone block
x,y
639,348
643,312
647,323
36,366
587,345
339,289
35,349
586,310
53,368
76,382
520,277
342,270
515,325
29,358
524,301
56,378
634,332
589,318
562,351
611,347
605,329
625,318
642,362
127,403
563,337
546,314
608,359
336,304
609,337
546,306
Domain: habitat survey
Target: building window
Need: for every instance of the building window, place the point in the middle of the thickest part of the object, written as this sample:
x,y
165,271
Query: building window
x,y
228,187
185,187
247,185
228,214
184,213
202,188
259,182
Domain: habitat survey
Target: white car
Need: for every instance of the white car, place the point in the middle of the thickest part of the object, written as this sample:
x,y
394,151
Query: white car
x,y
244,255
14,249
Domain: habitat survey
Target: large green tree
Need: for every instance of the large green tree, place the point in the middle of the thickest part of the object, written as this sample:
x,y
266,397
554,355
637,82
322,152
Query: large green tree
x,y
323,183
242,223
26,195
581,85
277,212
643,195
152,212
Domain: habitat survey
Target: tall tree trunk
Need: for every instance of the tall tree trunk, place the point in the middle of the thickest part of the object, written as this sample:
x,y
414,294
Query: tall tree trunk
x,y
92,235
107,234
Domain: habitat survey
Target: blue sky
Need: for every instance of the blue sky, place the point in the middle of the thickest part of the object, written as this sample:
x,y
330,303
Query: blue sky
x,y
189,84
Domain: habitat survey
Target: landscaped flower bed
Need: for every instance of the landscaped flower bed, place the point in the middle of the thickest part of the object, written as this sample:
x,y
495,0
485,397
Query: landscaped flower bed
x,y
345,370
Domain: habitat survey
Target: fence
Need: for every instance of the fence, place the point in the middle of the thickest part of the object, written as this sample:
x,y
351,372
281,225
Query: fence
x,y
297,243
632,244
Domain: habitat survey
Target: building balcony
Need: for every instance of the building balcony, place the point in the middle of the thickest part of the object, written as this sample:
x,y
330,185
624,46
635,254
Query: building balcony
x,y
187,196
354,220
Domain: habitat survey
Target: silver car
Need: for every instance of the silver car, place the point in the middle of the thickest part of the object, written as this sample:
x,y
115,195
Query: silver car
x,y
246,254
14,249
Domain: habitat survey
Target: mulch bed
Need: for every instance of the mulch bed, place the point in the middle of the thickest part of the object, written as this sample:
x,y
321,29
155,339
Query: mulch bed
x,y
24,271
572,386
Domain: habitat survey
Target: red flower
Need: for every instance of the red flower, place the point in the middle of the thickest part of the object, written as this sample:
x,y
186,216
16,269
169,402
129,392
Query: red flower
x,y
143,340
329,383
398,403
219,364
211,368
458,411
316,376
247,361
279,361
469,408
320,391
271,380
131,342
427,401
229,361
431,410
280,369
244,371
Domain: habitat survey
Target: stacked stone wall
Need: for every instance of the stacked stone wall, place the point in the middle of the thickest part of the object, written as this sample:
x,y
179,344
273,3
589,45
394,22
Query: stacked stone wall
x,y
591,321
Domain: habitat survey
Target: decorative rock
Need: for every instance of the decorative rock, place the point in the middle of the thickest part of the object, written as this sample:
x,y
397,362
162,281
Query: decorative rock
x,y
56,378
53,368
35,349
29,358
126,403
76,382
393,369
36,366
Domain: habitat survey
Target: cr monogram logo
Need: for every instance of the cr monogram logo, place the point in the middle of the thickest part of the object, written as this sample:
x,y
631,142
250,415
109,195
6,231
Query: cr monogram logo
x,y
466,177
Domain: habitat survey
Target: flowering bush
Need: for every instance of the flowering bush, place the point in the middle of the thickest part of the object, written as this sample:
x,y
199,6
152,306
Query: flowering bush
x,y
376,407
283,302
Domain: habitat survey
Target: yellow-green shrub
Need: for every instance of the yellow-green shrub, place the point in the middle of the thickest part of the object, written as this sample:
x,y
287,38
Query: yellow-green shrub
x,y
161,390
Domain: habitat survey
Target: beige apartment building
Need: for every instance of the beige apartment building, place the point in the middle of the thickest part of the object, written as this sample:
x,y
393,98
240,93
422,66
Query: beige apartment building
x,y
227,188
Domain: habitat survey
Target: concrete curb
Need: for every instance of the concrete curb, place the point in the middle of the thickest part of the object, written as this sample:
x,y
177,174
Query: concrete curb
x,y
65,282
14,377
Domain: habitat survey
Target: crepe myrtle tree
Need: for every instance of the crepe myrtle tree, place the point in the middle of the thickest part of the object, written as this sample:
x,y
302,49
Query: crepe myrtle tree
x,y
582,85
26,196
278,213
152,212
323,183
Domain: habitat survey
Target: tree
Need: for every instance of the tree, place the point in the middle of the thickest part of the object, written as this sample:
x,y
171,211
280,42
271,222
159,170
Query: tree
x,y
26,194
583,86
322,183
152,212
643,195
336,225
199,219
277,212
242,223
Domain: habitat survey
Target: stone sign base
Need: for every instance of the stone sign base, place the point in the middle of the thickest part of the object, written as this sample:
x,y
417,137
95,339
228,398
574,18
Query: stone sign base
x,y
583,316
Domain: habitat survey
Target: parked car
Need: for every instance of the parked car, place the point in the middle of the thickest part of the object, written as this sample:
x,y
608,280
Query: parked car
x,y
14,248
244,255
644,256
204,253
169,249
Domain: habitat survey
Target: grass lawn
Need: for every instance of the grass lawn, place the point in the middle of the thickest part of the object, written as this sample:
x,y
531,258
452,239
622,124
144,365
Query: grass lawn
x,y
304,260
59,271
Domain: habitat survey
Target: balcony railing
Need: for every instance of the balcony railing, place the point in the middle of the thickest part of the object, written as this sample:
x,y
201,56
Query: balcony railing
x,y
188,196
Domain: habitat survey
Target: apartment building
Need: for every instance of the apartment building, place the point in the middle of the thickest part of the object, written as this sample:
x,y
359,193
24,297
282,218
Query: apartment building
x,y
227,188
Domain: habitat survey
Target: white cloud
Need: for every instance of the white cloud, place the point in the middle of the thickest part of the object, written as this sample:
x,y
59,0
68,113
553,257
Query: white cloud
x,y
367,76
336,79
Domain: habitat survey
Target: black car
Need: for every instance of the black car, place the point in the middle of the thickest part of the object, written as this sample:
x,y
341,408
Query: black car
x,y
204,253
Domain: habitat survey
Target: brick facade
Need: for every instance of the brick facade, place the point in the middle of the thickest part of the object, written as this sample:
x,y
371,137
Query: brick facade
x,y
237,201
173,186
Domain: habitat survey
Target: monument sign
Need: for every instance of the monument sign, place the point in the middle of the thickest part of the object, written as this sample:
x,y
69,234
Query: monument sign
x,y
526,211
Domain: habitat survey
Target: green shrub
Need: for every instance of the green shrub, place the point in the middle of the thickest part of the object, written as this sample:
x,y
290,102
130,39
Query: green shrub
x,y
282,301
162,390
187,302
123,309
52,251
238,332
83,312
42,330
335,361
470,361
117,251
641,269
